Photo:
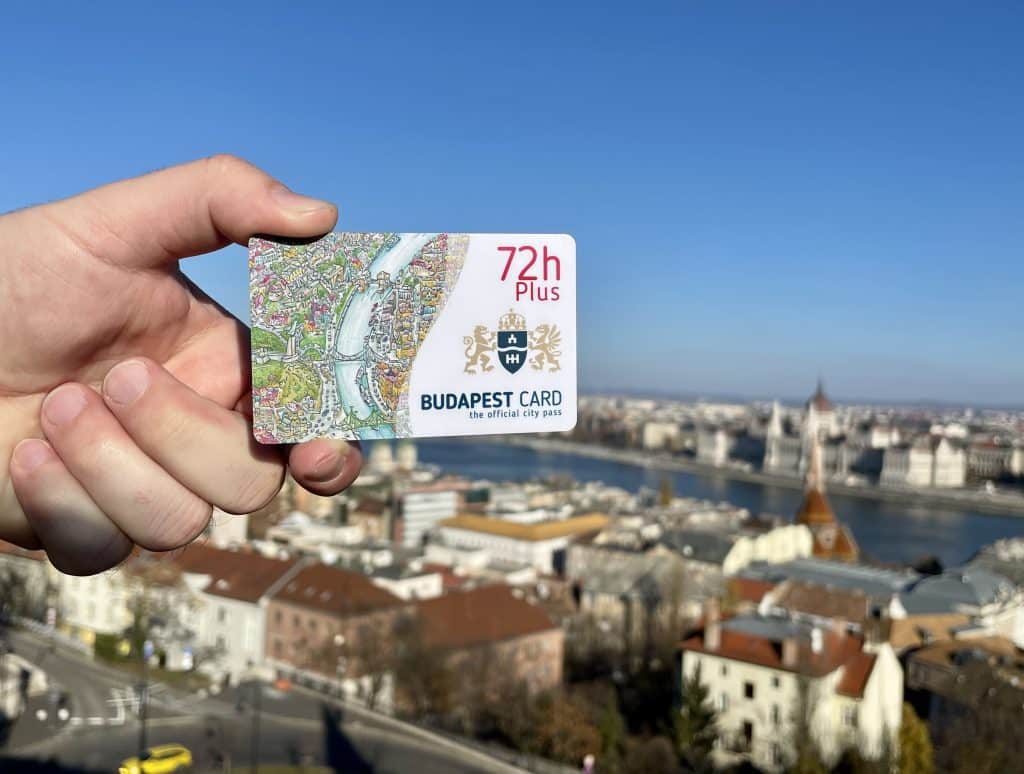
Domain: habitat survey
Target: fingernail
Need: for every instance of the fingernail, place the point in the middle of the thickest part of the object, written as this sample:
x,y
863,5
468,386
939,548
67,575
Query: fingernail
x,y
30,454
330,464
126,382
63,404
297,204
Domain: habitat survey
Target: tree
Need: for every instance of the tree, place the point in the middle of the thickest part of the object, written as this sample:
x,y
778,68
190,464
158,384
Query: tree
x,y
651,754
916,755
13,596
422,677
365,654
563,732
665,493
696,726
612,729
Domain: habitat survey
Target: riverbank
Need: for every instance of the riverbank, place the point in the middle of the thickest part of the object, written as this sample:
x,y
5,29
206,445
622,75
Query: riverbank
x,y
1000,505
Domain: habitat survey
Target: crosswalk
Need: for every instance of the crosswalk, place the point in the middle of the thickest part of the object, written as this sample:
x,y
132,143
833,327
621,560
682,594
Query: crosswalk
x,y
124,703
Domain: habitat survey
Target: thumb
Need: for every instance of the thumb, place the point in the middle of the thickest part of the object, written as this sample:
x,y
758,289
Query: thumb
x,y
188,210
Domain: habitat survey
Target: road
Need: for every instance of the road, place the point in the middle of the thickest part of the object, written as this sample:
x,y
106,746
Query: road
x,y
351,746
295,726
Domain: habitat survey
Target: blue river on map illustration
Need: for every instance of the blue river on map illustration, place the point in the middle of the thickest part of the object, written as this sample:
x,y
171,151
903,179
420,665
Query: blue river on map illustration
x,y
886,531
356,327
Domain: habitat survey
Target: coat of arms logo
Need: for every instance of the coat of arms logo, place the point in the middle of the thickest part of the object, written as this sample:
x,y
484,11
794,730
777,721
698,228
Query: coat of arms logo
x,y
513,344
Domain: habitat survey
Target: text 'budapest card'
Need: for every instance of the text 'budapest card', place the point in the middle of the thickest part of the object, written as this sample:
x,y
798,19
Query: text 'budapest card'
x,y
410,335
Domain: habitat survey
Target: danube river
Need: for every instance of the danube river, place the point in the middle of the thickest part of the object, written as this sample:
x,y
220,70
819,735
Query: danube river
x,y
887,531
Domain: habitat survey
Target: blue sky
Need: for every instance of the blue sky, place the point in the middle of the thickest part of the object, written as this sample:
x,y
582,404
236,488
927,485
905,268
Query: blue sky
x,y
760,192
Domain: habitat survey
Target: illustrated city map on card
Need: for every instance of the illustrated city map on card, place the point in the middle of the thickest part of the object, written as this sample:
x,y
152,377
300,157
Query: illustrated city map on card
x,y
389,335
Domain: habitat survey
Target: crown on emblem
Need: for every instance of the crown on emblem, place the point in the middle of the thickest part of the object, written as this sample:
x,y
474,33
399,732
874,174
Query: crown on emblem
x,y
512,322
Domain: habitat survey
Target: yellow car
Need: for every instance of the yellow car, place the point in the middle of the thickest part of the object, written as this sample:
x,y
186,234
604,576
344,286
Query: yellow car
x,y
162,759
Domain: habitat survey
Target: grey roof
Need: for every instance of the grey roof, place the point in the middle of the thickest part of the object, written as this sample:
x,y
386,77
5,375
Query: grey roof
x,y
629,574
1012,570
396,572
699,544
876,582
771,628
955,589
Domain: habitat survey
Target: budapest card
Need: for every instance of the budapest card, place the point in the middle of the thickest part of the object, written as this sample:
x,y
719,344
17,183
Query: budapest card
x,y
410,335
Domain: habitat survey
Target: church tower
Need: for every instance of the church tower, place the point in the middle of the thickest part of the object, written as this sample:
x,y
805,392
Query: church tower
x,y
832,539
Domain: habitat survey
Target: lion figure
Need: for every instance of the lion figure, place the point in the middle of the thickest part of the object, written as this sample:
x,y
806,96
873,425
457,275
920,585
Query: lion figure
x,y
477,347
546,340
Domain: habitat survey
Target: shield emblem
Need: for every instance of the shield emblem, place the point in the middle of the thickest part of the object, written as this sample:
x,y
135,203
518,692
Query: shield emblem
x,y
512,348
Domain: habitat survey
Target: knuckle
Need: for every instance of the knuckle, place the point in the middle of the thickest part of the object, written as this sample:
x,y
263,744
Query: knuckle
x,y
226,164
173,524
255,490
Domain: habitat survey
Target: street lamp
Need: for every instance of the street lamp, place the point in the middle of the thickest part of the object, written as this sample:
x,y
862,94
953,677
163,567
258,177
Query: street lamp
x,y
147,653
254,738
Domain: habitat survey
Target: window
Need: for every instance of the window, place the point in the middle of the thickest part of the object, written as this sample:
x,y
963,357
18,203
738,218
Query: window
x,y
278,616
850,717
312,624
748,690
776,715
278,648
775,681
221,645
222,615
776,755
296,621
725,669
748,734
723,702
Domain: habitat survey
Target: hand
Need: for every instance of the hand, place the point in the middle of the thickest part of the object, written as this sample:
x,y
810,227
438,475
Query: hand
x,y
124,390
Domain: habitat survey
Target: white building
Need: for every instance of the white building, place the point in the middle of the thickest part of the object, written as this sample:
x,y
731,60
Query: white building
x,y
409,581
764,672
930,461
231,589
420,508
299,532
227,529
730,551
660,435
989,460
714,445
541,545
96,604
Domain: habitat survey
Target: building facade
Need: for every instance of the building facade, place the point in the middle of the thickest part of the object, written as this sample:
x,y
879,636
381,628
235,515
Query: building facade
x,y
767,677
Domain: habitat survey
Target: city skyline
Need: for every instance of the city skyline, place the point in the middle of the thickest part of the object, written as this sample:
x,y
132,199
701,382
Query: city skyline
x,y
813,190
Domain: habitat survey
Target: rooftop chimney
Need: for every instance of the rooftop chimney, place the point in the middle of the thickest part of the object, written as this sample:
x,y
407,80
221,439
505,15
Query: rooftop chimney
x,y
712,625
817,641
790,652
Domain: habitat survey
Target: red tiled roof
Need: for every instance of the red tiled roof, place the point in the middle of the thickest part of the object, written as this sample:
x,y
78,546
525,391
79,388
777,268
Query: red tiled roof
x,y
241,575
485,615
449,578
749,589
837,650
855,676
335,591
802,597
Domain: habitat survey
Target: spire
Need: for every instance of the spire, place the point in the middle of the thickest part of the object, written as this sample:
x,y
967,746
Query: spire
x,y
775,421
815,509
815,476
819,400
